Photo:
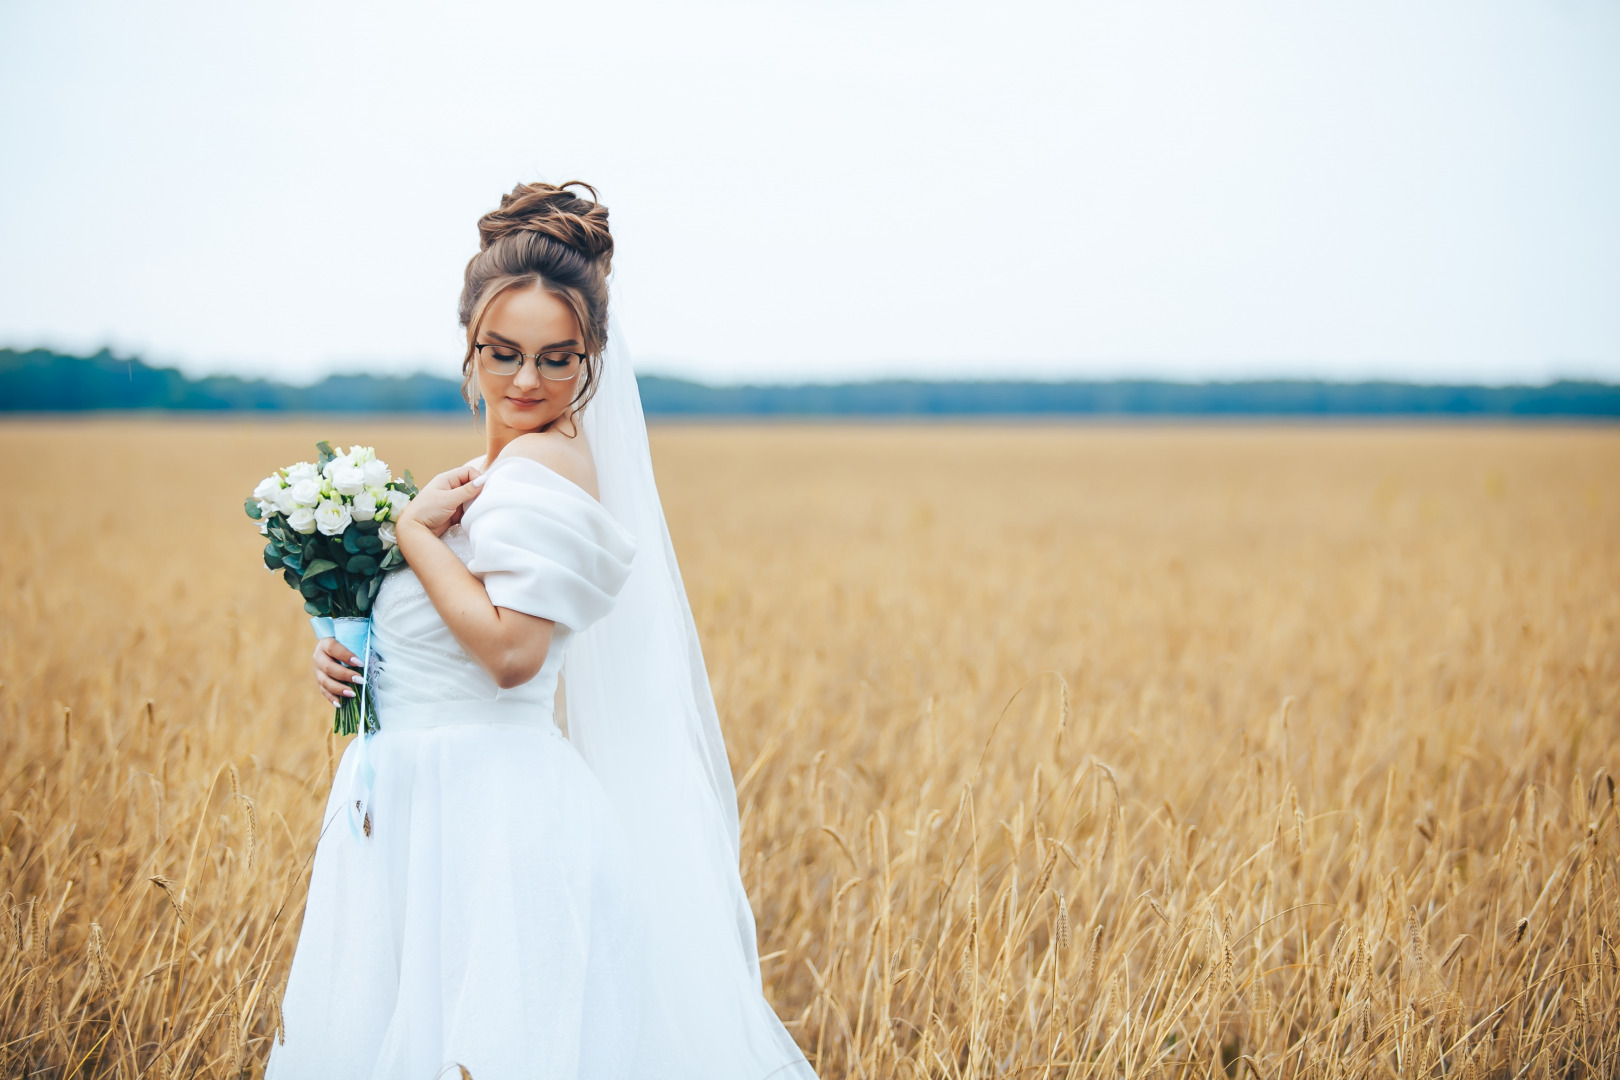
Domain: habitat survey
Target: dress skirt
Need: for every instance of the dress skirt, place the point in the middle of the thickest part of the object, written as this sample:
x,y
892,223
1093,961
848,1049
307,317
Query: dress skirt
x,y
488,921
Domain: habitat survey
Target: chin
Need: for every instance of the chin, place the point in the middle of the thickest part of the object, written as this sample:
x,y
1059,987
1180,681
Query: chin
x,y
526,419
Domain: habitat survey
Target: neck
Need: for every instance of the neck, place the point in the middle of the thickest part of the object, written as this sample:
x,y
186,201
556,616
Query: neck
x,y
500,435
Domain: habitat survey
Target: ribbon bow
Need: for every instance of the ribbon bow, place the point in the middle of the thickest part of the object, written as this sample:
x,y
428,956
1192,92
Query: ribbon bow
x,y
355,635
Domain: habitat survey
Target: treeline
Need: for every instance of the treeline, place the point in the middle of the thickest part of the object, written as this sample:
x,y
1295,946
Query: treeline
x,y
43,381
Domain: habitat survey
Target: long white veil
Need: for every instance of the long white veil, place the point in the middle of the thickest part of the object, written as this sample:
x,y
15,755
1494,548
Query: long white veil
x,y
640,710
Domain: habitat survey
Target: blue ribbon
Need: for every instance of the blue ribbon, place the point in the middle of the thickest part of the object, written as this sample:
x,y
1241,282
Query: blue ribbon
x,y
355,635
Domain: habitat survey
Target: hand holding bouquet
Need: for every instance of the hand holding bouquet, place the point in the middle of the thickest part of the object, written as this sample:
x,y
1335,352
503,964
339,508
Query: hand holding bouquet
x,y
330,527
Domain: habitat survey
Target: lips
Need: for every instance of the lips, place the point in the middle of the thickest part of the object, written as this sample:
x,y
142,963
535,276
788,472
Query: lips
x,y
525,401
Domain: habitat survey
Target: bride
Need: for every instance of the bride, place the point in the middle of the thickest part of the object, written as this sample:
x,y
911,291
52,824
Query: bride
x,y
506,899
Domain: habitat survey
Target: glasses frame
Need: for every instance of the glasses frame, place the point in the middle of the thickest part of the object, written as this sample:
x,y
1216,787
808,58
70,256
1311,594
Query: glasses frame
x,y
483,361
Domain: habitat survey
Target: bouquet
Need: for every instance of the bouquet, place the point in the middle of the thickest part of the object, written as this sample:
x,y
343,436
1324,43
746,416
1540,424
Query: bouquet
x,y
330,527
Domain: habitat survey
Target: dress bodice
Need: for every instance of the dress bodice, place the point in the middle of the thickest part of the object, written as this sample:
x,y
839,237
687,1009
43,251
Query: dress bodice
x,y
541,545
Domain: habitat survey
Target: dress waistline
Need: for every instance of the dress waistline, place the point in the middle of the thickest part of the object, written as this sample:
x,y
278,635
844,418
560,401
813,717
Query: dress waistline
x,y
452,713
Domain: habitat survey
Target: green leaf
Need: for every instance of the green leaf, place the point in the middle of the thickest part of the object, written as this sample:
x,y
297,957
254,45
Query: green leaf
x,y
326,452
317,567
392,559
252,508
369,544
272,557
294,562
311,607
362,564
289,577
329,580
350,541
376,583
362,598
310,589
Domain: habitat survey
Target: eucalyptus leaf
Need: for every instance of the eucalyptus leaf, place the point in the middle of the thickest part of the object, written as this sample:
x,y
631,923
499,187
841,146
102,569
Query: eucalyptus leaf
x,y
362,598
329,580
369,543
317,567
311,607
351,541
289,577
326,452
272,557
376,583
252,508
362,564
310,589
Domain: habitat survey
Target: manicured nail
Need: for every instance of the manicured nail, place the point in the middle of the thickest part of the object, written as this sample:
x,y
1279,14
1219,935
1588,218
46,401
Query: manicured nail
x,y
347,692
357,678
479,480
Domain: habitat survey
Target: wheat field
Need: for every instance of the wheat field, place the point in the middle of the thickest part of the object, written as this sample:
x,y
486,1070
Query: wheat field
x,y
1062,751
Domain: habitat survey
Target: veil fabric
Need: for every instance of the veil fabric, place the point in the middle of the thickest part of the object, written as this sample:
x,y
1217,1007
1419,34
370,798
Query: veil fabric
x,y
640,711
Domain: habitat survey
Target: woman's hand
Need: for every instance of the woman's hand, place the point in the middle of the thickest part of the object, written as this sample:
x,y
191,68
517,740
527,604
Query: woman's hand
x,y
439,504
331,674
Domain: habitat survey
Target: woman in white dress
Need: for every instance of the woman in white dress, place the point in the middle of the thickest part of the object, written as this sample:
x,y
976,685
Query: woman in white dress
x,y
504,898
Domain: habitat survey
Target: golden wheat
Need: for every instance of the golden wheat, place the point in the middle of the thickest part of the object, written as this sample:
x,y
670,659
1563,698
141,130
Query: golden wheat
x,y
1061,751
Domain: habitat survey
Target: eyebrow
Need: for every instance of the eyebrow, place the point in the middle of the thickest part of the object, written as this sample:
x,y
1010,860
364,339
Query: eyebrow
x,y
515,345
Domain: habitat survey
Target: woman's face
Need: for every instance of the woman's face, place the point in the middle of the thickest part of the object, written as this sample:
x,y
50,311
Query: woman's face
x,y
531,320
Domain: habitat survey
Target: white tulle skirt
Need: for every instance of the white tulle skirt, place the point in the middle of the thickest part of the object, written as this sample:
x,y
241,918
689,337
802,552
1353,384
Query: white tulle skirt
x,y
487,922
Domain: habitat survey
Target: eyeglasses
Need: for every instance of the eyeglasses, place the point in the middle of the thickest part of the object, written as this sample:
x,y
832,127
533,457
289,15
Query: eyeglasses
x,y
558,366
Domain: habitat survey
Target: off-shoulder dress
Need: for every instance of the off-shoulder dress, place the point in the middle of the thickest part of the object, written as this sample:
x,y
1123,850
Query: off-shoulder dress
x,y
486,919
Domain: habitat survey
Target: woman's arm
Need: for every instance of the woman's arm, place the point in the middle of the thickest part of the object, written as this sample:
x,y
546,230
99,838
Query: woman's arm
x,y
510,645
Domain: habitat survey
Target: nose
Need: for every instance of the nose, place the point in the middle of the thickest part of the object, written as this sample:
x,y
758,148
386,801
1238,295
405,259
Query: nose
x,y
528,375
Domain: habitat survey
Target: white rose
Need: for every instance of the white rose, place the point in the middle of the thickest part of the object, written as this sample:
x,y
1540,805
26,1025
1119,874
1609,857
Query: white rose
x,y
376,473
332,517
347,478
266,509
365,506
305,492
359,455
301,471
385,533
284,501
302,520
268,489
397,502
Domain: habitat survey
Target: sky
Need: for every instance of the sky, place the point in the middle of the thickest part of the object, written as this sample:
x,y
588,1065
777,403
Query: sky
x,y
802,190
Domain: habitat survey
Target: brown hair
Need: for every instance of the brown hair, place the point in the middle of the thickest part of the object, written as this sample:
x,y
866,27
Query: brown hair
x,y
546,236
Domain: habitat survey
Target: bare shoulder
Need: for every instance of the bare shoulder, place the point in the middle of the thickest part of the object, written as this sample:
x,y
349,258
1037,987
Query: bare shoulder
x,y
570,458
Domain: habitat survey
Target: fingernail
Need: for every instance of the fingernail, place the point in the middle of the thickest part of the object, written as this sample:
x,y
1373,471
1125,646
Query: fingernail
x,y
347,692
478,480
357,678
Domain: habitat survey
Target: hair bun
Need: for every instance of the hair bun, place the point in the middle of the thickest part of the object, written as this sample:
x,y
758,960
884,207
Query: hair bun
x,y
551,210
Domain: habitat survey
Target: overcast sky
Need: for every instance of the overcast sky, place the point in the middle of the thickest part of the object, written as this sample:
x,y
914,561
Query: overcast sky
x,y
1423,188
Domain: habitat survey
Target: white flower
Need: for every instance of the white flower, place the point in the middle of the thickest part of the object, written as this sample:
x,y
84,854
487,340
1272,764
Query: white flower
x,y
301,471
264,526
266,509
302,520
306,492
365,506
376,473
332,517
385,533
347,478
397,502
284,501
359,455
267,490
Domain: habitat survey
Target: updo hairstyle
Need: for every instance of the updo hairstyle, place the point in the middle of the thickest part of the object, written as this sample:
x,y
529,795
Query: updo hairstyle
x,y
542,235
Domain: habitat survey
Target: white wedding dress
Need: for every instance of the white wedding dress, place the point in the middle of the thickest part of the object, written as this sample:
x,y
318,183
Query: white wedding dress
x,y
498,916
